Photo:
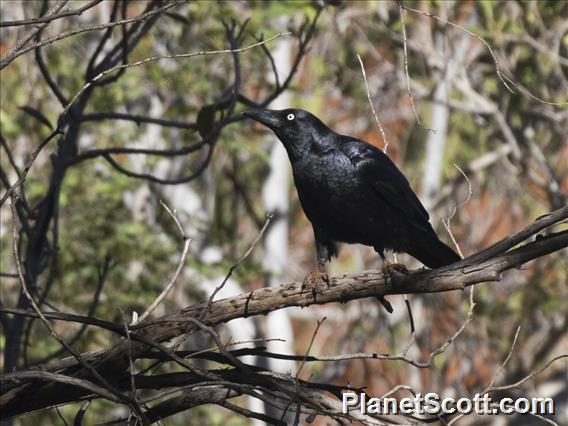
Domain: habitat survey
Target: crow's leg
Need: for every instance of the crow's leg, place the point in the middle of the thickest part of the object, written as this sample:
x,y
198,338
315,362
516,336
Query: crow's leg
x,y
315,277
326,248
388,268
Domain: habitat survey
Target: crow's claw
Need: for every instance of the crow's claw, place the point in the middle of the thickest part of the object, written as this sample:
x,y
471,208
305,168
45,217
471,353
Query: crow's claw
x,y
389,268
312,280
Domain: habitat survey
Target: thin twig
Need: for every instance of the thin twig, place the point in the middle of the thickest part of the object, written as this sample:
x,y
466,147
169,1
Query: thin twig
x,y
123,398
298,384
130,360
222,347
507,358
499,370
406,73
175,218
179,268
28,165
403,356
528,376
318,325
21,49
240,260
396,389
51,17
544,419
58,411
412,339
99,116
504,78
458,332
265,419
20,44
385,142
173,56
447,221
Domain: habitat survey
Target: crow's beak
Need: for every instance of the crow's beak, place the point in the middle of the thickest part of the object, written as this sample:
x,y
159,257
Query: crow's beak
x,y
265,116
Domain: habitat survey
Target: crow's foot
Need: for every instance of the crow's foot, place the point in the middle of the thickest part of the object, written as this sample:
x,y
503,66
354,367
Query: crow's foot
x,y
312,280
314,277
389,268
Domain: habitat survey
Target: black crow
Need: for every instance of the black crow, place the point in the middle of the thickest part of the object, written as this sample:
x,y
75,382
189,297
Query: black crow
x,y
352,192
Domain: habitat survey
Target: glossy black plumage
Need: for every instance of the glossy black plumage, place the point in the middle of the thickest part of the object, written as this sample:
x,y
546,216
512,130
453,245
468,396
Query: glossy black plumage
x,y
352,192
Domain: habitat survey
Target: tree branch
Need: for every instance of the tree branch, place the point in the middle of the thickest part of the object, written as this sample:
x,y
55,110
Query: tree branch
x,y
484,266
50,17
21,47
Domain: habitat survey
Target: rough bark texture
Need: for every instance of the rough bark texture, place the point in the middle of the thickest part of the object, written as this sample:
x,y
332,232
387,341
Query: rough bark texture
x,y
112,363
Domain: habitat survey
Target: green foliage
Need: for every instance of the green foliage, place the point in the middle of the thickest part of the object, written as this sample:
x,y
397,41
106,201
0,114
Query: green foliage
x,y
96,218
103,208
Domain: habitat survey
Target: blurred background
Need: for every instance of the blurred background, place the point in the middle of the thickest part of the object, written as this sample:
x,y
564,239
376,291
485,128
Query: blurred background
x,y
483,145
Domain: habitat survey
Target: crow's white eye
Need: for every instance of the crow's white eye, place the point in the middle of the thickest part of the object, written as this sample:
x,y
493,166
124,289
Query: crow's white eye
x,y
290,117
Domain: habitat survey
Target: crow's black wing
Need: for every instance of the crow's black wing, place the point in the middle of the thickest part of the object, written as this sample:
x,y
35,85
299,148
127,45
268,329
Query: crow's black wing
x,y
386,180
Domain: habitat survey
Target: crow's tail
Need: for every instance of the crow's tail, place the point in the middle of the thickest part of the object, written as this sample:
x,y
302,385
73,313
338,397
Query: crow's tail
x,y
434,253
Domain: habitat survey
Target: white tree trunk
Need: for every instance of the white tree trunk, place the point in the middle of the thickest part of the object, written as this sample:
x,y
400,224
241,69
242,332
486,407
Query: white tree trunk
x,y
436,142
275,199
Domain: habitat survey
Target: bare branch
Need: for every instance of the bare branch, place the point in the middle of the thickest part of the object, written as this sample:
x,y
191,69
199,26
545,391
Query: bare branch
x,y
14,52
125,399
106,152
447,221
50,17
504,78
28,165
241,259
499,370
386,143
472,270
318,325
173,56
179,268
20,48
405,50
138,119
19,376
506,360
529,376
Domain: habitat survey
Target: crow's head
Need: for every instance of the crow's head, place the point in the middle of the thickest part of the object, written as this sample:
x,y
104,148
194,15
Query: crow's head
x,y
296,128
